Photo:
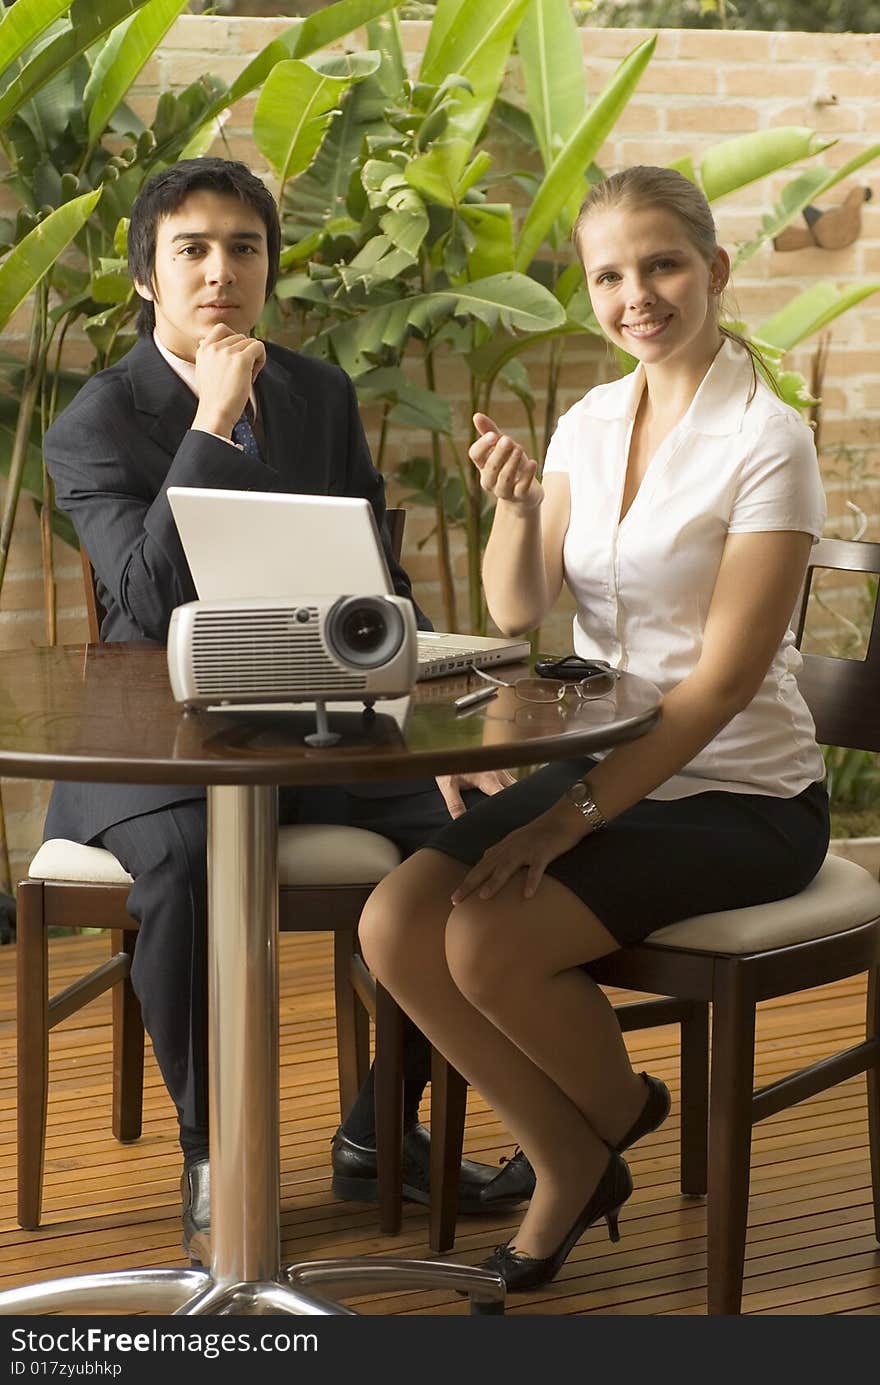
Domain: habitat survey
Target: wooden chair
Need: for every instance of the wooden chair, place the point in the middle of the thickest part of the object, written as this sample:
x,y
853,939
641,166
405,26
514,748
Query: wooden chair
x,y
326,876
733,960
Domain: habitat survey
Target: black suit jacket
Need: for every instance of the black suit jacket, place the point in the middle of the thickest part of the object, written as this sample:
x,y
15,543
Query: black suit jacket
x,y
113,453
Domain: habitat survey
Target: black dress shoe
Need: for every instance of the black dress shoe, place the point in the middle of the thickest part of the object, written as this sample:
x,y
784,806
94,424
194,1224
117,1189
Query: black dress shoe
x,y
653,1113
521,1272
481,1188
195,1192
513,1184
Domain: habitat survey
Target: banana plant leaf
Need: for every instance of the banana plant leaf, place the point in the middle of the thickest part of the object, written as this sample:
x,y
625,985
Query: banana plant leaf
x,y
475,43
744,159
810,312
121,59
25,265
491,227
111,282
799,194
32,479
379,261
445,12
90,20
406,221
317,200
296,106
549,47
579,151
199,144
493,357
304,37
511,300
413,406
438,172
23,23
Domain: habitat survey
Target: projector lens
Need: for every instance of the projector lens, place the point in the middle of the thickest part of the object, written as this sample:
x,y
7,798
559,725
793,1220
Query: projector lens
x,y
364,631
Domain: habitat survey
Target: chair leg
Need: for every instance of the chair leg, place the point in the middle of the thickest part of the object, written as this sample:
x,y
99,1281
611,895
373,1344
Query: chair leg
x,y
352,1023
128,1046
695,1101
389,1111
873,1032
448,1106
32,994
730,1134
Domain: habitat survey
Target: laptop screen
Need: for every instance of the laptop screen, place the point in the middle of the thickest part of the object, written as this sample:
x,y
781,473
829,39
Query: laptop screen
x,y
259,543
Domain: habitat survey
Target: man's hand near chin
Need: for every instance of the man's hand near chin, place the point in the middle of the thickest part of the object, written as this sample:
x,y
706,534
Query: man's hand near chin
x,y
227,364
489,781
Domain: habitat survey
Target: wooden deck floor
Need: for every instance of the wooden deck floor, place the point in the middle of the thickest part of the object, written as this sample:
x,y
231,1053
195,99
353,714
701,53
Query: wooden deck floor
x,y
811,1248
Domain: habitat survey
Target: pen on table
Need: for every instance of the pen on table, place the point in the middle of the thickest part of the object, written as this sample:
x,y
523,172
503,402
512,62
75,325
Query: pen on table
x,y
471,699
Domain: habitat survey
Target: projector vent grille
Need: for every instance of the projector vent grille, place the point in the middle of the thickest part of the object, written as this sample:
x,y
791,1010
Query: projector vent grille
x,y
265,652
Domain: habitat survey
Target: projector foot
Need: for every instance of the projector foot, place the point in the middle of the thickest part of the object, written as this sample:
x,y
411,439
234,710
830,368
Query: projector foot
x,y
323,737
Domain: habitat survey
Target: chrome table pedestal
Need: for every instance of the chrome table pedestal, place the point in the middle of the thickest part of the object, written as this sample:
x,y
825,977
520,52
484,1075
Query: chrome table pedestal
x,y
246,1275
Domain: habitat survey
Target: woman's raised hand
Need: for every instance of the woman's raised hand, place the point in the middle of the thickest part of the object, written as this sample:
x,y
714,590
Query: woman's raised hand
x,y
505,470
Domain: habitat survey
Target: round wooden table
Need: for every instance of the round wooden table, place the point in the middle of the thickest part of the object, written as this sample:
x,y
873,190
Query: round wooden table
x,y
105,713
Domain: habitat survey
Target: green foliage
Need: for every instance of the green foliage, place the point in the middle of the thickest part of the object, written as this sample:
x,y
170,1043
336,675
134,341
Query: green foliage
x,y
806,16
853,778
65,72
398,213
398,248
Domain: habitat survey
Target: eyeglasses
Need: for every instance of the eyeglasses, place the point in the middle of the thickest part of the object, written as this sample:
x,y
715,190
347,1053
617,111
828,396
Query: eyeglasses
x,y
590,689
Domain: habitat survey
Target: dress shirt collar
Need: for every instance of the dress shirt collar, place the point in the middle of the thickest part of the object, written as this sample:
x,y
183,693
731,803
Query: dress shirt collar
x,y
186,371
717,408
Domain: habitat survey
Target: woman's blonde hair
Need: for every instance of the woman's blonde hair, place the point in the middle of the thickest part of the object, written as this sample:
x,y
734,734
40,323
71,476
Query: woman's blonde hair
x,y
645,186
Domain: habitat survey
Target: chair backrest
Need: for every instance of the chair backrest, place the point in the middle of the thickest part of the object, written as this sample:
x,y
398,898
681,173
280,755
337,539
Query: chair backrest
x,y
95,611
843,694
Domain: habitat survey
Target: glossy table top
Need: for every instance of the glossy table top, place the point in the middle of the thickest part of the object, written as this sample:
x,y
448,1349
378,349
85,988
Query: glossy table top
x,y
105,713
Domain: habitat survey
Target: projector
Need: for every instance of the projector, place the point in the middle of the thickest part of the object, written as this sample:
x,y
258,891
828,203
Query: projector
x,y
304,649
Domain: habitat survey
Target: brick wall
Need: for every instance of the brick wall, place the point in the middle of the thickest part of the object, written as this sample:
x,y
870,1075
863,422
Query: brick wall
x,y
700,87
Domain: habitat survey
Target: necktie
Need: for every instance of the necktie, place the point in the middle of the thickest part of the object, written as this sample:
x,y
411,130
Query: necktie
x,y
246,438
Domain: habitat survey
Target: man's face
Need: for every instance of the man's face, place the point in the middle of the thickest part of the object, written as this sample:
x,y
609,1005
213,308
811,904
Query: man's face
x,y
211,266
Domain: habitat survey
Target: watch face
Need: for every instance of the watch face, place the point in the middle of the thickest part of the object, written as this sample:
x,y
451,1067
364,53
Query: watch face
x,y
578,793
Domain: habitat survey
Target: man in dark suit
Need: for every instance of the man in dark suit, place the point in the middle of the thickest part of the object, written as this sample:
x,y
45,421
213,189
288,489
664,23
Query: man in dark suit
x,y
199,401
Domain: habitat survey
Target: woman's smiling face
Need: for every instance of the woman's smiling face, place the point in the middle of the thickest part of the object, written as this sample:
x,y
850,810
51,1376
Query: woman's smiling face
x,y
651,289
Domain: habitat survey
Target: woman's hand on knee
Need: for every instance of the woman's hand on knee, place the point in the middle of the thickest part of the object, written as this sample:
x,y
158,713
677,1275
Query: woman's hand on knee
x,y
530,848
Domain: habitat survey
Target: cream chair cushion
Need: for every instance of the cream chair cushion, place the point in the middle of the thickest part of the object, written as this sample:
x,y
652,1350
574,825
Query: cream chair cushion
x,y
58,859
307,855
842,896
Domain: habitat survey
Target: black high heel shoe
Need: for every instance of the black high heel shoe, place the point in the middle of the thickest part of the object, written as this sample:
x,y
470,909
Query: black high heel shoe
x,y
521,1272
653,1113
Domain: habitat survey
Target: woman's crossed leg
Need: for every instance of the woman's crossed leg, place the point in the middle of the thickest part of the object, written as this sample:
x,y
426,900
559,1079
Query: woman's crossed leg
x,y
496,986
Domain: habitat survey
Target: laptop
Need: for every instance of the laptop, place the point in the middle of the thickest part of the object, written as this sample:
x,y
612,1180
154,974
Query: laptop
x,y
256,543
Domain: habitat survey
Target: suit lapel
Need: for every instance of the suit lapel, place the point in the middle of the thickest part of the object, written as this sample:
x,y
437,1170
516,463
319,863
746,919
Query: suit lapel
x,y
283,415
166,404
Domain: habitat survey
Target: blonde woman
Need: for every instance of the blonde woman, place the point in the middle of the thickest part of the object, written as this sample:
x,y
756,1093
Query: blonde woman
x,y
679,505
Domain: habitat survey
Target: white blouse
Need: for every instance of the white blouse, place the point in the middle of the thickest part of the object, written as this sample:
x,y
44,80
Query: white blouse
x,y
643,586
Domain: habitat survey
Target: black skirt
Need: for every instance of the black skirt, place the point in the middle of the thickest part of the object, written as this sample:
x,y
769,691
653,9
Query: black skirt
x,y
662,861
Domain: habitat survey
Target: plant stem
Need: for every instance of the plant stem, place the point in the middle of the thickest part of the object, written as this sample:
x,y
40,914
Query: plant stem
x,y
550,404
383,436
447,585
41,307
56,380
29,395
817,380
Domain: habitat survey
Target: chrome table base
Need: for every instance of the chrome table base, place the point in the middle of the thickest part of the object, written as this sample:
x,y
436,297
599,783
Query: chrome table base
x,y
246,1276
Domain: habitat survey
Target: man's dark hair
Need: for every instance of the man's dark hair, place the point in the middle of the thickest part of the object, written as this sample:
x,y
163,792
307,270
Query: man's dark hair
x,y
162,194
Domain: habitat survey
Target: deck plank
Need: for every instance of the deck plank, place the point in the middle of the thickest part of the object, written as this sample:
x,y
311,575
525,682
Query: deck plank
x,y
811,1246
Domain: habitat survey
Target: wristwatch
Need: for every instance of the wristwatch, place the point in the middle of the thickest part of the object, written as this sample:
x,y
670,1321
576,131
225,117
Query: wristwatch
x,y
579,797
